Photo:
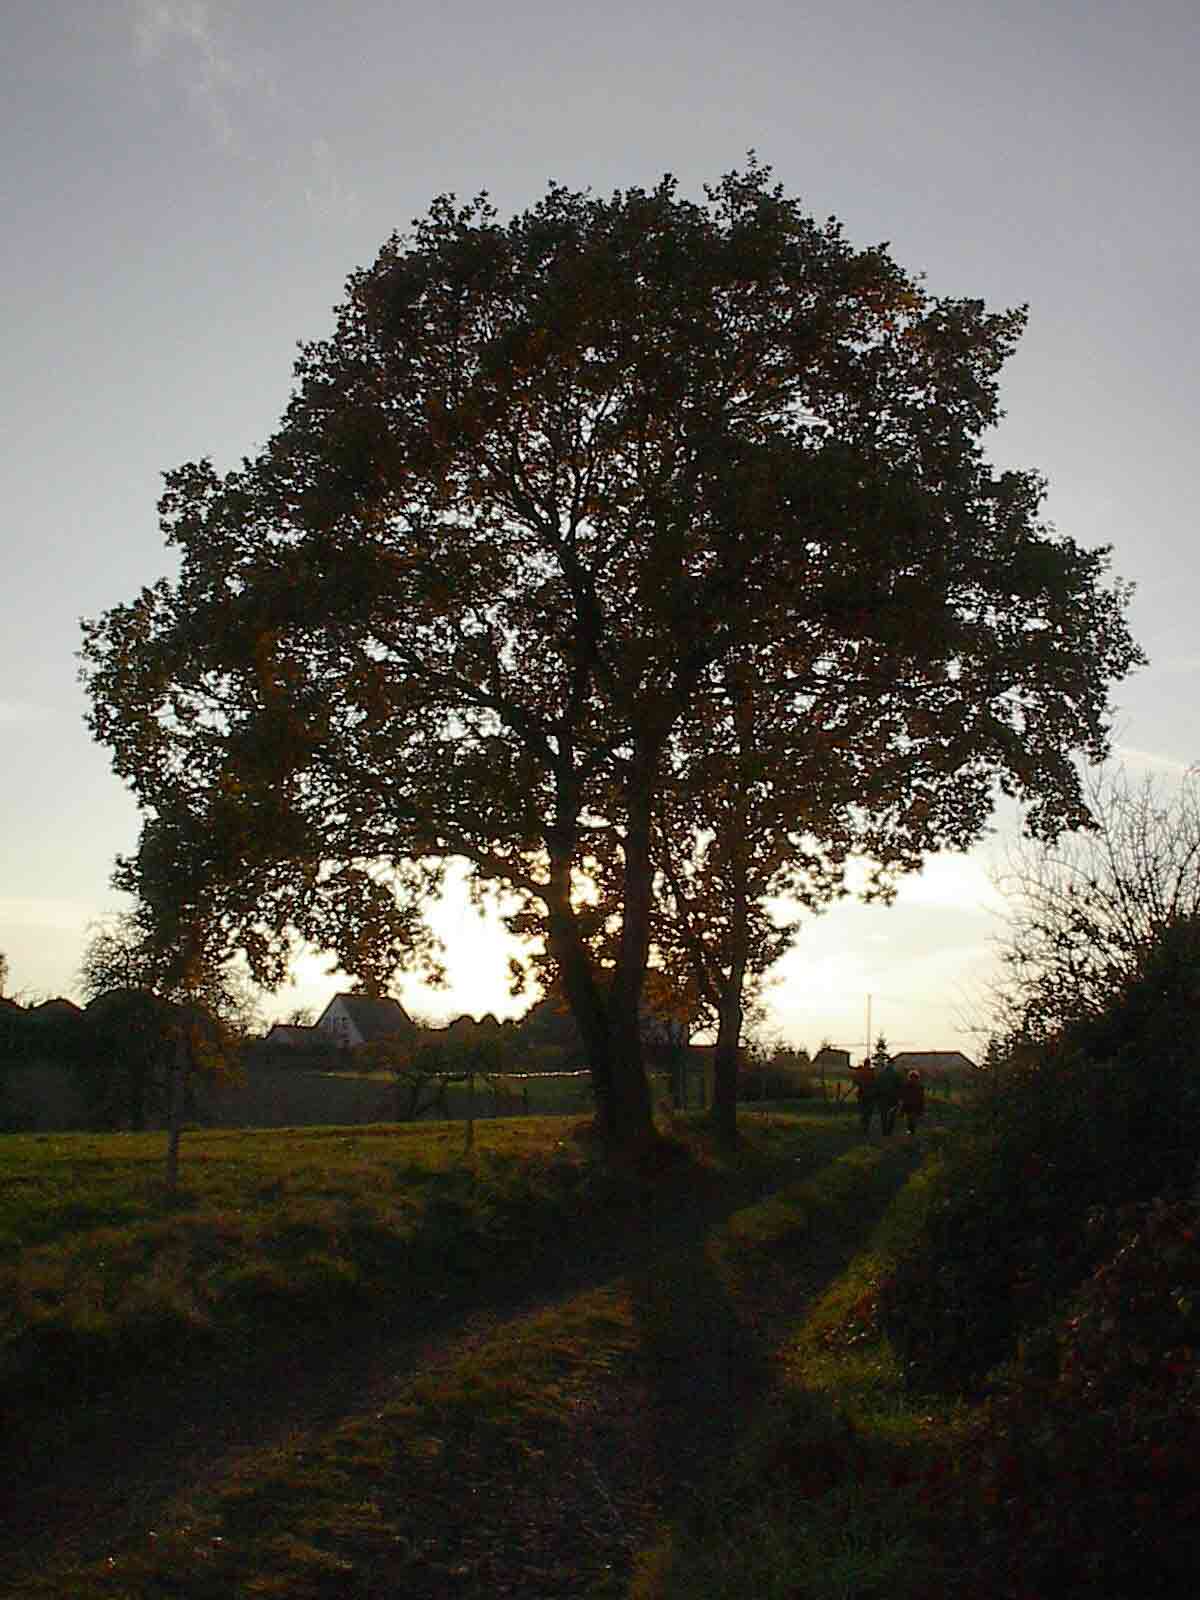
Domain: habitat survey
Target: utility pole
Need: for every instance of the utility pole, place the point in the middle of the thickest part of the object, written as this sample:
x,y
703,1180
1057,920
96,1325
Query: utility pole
x,y
868,1025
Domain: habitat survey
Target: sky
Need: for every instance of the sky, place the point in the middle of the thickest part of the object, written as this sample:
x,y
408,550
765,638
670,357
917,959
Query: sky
x,y
187,184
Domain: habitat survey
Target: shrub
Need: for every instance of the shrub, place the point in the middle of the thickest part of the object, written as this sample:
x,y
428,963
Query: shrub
x,y
956,1301
775,1080
1107,1115
1081,1476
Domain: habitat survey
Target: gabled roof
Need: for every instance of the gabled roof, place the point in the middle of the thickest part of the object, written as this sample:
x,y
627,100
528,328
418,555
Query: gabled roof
x,y
374,1018
295,1036
933,1061
465,1023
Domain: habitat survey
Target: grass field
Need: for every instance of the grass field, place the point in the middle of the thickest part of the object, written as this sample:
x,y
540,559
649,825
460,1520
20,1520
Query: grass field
x,y
100,1268
672,1339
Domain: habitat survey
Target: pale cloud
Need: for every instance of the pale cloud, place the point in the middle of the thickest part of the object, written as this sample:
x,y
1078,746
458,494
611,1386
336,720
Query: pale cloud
x,y
232,87
920,995
1175,665
961,882
1150,761
329,198
196,44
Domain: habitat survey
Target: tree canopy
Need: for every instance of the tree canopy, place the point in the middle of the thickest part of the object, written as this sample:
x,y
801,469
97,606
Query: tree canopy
x,y
558,503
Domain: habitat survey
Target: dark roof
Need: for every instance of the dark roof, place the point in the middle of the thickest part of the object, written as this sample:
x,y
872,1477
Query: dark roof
x,y
116,997
295,1036
933,1061
465,1023
374,1018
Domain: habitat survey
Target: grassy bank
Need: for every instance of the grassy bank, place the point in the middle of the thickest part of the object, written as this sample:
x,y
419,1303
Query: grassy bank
x,y
538,1454
102,1272
834,1489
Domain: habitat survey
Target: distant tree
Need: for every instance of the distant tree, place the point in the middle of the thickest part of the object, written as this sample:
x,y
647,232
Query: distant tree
x,y
162,1014
126,1071
427,1065
548,1035
3,973
121,953
549,485
1082,911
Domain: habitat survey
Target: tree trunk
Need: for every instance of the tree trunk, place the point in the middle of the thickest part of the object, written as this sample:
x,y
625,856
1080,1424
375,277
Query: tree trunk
x,y
633,1126
725,1065
732,982
178,1072
608,1023
629,1131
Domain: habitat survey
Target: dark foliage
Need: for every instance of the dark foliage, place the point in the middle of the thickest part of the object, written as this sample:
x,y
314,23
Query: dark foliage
x,y
1079,1479
1106,1115
624,512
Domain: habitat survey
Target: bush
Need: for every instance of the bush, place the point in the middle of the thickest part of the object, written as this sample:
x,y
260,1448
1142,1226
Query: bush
x,y
776,1079
1081,1477
1105,1116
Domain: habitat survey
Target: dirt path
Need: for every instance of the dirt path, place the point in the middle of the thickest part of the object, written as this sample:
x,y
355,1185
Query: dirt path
x,y
567,1525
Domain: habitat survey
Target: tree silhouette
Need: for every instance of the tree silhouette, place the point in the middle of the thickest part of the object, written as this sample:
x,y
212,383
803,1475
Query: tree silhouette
x,y
550,488
162,1012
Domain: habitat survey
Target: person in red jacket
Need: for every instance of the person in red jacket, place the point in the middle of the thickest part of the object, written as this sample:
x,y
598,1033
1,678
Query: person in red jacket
x,y
912,1099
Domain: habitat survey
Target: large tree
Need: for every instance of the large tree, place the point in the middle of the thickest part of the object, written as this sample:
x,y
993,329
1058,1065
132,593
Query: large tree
x,y
545,482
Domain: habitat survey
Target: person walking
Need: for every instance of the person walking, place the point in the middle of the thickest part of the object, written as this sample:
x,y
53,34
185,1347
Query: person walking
x,y
912,1099
864,1079
887,1091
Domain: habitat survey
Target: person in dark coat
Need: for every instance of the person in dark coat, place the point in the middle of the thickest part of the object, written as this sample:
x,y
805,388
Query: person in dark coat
x,y
912,1099
864,1078
887,1090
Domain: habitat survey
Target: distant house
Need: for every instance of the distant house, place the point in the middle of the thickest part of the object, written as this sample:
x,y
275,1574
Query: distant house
x,y
350,1020
829,1061
466,1026
292,1036
938,1065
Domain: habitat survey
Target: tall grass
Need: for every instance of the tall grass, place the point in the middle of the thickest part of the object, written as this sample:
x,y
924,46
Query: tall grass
x,y
102,1272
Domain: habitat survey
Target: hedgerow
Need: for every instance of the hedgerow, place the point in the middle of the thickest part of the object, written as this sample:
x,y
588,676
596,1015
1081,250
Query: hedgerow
x,y
1078,1479
1104,1116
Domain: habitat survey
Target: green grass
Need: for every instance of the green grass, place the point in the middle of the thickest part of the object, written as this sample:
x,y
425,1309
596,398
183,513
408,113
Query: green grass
x,y
412,1494
831,1495
101,1270
58,1184
422,1490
